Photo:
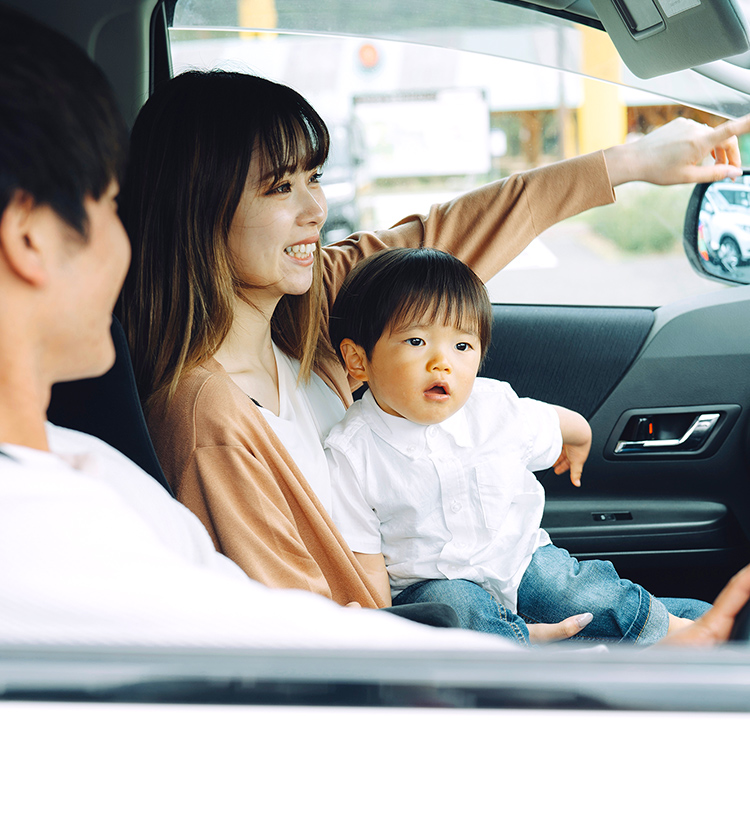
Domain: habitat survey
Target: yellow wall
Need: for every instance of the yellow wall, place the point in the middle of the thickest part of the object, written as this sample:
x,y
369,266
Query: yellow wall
x,y
257,13
602,119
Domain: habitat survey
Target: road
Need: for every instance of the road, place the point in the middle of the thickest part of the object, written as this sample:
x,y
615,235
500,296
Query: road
x,y
571,265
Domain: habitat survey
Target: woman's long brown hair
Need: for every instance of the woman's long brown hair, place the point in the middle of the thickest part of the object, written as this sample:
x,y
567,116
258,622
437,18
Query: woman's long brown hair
x,y
191,148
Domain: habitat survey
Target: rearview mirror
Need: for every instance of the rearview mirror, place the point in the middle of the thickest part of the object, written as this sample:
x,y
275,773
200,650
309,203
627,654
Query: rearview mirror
x,y
716,236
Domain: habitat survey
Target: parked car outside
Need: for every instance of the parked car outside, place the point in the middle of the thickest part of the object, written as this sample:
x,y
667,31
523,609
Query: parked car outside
x,y
726,220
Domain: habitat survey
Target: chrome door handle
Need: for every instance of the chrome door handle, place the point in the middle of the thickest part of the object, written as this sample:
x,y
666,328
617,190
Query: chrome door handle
x,y
692,439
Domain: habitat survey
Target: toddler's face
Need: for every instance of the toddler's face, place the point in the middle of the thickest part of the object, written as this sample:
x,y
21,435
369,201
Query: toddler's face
x,y
424,373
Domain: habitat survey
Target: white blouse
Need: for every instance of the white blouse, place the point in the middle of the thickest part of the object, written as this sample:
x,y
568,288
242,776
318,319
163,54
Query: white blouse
x,y
307,412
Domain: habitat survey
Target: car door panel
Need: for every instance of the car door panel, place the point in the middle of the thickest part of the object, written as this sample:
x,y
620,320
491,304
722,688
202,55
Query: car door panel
x,y
676,521
571,356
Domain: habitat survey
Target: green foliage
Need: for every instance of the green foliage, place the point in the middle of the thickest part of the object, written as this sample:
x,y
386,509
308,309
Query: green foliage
x,y
744,140
645,219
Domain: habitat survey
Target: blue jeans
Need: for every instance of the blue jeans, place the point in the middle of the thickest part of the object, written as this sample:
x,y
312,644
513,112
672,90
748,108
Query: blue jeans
x,y
555,586
475,607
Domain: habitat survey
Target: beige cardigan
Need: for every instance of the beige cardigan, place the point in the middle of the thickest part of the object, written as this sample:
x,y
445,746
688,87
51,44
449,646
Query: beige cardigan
x,y
225,462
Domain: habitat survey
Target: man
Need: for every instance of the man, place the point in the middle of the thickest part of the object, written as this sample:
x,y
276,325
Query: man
x,y
93,550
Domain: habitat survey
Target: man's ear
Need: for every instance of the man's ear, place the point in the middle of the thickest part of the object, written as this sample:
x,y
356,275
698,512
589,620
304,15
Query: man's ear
x,y
355,359
25,237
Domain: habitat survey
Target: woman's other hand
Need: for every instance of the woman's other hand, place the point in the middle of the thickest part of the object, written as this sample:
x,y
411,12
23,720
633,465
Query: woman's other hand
x,y
548,633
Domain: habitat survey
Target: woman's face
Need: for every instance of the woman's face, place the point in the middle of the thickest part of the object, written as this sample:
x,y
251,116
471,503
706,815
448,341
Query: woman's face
x,y
274,233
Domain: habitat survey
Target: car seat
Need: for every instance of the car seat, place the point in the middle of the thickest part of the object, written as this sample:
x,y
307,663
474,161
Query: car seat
x,y
109,408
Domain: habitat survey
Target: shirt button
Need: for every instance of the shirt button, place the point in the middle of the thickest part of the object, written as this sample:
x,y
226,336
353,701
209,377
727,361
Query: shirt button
x,y
431,431
456,506
410,449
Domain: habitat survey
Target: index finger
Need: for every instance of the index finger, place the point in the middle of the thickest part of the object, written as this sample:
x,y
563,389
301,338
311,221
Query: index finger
x,y
724,135
730,128
576,470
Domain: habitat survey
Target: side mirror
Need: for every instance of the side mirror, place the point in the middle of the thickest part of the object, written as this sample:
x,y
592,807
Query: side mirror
x,y
716,236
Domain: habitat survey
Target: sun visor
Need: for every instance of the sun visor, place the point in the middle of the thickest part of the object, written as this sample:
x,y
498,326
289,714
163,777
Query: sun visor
x,y
660,36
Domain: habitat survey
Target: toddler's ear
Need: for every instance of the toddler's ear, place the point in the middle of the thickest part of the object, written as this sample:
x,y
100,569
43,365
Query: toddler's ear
x,y
355,359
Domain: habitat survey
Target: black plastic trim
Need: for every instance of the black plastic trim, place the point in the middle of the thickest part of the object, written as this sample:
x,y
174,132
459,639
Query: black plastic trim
x,y
160,56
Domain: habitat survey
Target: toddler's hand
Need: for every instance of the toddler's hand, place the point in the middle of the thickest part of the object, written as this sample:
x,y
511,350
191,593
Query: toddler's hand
x,y
572,457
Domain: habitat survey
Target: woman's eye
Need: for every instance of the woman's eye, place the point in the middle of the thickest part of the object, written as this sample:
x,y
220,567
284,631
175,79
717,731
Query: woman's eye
x,y
281,188
415,342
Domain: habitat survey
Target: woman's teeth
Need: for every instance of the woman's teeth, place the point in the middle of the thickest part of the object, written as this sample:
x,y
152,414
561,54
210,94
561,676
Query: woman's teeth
x,y
300,251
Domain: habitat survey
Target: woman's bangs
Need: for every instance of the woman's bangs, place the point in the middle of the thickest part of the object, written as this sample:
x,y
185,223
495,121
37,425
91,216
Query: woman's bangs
x,y
291,144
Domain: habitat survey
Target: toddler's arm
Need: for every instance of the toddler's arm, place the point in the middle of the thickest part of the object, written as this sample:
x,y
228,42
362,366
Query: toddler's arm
x,y
576,436
357,522
374,567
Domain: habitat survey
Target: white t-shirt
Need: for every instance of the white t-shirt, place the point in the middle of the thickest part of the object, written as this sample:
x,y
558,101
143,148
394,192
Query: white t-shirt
x,y
94,551
307,412
451,500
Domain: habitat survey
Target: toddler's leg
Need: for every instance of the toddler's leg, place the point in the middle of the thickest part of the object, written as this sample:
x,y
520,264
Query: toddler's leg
x,y
689,608
556,586
475,607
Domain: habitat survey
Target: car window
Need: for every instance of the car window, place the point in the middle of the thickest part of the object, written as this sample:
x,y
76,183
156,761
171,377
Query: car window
x,y
413,124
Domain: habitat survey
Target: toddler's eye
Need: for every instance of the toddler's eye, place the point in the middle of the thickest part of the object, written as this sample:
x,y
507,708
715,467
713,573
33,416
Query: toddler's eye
x,y
464,346
415,342
316,177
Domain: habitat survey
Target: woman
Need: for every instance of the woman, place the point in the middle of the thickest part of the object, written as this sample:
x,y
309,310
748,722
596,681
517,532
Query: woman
x,y
226,305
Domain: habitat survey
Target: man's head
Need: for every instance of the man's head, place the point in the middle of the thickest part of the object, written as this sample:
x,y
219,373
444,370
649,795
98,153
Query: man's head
x,y
63,252
414,324
61,134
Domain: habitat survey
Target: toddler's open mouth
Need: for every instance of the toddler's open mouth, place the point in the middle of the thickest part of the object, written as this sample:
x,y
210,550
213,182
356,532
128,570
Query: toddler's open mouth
x,y
437,390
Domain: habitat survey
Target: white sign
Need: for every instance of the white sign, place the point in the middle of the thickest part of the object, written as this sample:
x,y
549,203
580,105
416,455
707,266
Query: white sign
x,y
425,134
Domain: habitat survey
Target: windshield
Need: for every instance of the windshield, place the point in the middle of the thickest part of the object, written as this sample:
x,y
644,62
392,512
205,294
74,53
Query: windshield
x,y
420,113
478,26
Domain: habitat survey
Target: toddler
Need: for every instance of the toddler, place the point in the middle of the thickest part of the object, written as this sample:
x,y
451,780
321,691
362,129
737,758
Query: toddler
x,y
432,471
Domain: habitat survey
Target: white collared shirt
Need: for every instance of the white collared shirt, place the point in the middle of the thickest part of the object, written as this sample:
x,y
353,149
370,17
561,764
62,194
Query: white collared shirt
x,y
450,500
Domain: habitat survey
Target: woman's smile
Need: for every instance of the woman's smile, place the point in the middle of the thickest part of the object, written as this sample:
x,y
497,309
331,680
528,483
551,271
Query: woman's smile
x,y
303,252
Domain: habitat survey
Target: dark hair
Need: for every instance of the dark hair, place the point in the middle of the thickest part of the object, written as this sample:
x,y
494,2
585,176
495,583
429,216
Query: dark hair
x,y
61,135
392,288
191,149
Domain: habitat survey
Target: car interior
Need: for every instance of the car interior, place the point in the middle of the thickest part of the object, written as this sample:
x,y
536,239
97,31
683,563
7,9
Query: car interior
x,y
664,386
650,342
